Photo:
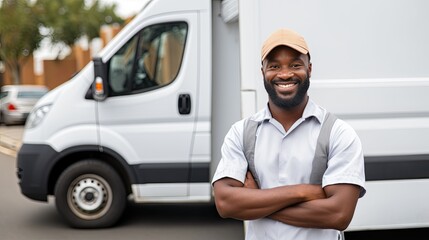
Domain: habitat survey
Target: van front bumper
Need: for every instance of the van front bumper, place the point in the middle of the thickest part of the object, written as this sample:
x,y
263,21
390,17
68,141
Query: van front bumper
x,y
34,163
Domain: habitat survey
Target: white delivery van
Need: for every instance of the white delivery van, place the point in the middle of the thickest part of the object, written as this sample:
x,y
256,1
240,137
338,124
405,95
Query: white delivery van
x,y
145,119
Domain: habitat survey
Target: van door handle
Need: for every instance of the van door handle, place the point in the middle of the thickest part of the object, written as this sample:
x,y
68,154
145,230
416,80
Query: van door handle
x,y
184,104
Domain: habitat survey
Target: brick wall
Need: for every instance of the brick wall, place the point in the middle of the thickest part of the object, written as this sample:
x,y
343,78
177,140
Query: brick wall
x,y
57,72
27,73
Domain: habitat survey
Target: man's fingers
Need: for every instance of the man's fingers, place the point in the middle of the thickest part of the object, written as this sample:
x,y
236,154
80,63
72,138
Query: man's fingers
x,y
250,181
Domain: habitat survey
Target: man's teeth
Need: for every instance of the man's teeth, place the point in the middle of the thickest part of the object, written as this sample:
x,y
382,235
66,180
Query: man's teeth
x,y
286,85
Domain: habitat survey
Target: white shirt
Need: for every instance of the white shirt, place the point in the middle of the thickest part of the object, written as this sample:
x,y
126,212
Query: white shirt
x,y
285,158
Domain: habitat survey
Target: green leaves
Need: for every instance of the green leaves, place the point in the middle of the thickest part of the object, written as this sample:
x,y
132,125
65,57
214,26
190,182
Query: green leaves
x,y
66,21
19,33
71,19
19,29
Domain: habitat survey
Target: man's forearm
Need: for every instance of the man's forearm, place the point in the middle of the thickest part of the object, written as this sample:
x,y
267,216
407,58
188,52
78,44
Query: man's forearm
x,y
334,212
235,201
311,214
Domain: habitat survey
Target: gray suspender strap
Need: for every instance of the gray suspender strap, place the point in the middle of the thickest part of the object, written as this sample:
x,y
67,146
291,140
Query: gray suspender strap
x,y
249,141
341,236
320,161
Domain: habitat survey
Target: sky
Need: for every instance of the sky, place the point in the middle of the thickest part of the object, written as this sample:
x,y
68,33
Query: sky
x,y
126,8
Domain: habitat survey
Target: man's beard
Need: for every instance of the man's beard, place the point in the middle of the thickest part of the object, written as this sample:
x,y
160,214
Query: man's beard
x,y
287,103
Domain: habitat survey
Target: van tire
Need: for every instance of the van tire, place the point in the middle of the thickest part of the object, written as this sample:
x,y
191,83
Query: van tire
x,y
90,194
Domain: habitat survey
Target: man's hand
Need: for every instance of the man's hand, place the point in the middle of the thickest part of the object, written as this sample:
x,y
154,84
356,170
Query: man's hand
x,y
250,181
335,211
314,191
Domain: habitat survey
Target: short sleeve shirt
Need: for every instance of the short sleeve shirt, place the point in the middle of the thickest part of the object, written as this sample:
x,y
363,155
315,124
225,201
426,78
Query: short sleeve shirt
x,y
285,158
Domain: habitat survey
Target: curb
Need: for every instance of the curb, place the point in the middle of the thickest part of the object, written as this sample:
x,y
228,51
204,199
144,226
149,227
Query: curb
x,y
8,151
9,146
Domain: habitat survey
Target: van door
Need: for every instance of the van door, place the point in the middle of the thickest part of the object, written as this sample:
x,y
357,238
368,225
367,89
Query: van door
x,y
149,117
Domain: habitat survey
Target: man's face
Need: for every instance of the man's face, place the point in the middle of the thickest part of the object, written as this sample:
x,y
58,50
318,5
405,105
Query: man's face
x,y
286,75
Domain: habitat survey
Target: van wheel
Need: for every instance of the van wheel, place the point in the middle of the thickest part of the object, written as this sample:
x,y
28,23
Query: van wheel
x,y
90,194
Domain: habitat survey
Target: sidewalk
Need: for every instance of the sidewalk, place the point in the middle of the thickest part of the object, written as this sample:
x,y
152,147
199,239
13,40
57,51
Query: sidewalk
x,y
10,139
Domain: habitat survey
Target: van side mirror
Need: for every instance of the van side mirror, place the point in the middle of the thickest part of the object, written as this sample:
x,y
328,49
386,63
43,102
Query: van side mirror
x,y
100,85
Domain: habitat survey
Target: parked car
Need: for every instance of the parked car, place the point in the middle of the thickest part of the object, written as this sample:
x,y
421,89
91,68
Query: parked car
x,y
16,102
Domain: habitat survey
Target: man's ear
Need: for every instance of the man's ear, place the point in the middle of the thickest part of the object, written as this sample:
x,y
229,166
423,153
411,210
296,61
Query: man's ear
x,y
310,67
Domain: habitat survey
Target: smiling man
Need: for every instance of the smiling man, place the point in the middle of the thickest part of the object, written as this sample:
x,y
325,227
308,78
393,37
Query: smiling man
x,y
284,202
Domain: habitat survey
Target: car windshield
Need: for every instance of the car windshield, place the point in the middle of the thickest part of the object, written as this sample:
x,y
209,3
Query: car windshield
x,y
31,94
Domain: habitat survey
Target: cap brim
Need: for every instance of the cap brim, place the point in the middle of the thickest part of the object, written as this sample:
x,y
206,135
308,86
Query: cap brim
x,y
293,46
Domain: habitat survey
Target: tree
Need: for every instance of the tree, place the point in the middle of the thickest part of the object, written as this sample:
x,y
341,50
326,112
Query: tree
x,y
19,34
100,15
68,20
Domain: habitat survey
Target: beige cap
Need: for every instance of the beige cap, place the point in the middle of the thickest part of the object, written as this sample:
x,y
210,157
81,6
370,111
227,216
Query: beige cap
x,y
285,37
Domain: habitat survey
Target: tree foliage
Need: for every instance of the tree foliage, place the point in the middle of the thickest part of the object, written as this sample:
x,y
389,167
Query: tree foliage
x,y
67,21
101,14
19,34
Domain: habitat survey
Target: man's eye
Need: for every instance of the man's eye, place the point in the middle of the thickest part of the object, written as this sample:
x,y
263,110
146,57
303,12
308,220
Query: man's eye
x,y
296,65
273,66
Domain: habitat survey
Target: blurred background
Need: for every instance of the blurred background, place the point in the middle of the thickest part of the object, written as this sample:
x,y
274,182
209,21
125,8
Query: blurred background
x,y
45,42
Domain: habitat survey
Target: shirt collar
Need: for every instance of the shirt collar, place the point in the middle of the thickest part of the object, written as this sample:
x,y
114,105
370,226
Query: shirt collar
x,y
312,110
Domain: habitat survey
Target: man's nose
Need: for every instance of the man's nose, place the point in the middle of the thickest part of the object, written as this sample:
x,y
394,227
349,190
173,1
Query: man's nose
x,y
285,73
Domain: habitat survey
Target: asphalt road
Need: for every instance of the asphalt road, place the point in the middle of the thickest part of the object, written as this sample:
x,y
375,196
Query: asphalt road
x,y
22,218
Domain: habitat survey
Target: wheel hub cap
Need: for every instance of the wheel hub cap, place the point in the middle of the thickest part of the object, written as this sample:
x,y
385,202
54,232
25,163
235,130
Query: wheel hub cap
x,y
89,194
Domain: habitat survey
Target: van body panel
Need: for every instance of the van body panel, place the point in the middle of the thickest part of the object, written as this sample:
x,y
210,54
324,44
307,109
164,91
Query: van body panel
x,y
399,213
226,80
69,112
388,114
156,193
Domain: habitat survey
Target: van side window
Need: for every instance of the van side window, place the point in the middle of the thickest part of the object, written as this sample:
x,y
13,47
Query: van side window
x,y
121,68
150,60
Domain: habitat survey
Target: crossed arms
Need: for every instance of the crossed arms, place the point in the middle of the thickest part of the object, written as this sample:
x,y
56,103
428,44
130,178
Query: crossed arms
x,y
302,205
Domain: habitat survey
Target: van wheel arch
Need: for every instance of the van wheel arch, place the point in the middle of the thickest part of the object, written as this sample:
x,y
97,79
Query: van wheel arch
x,y
80,153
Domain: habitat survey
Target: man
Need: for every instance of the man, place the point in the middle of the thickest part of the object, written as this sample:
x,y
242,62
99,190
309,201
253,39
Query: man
x,y
285,205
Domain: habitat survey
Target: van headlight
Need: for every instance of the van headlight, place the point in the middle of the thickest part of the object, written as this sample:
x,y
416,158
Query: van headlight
x,y
37,115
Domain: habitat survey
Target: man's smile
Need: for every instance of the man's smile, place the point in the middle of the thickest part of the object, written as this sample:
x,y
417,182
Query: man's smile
x,y
285,85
